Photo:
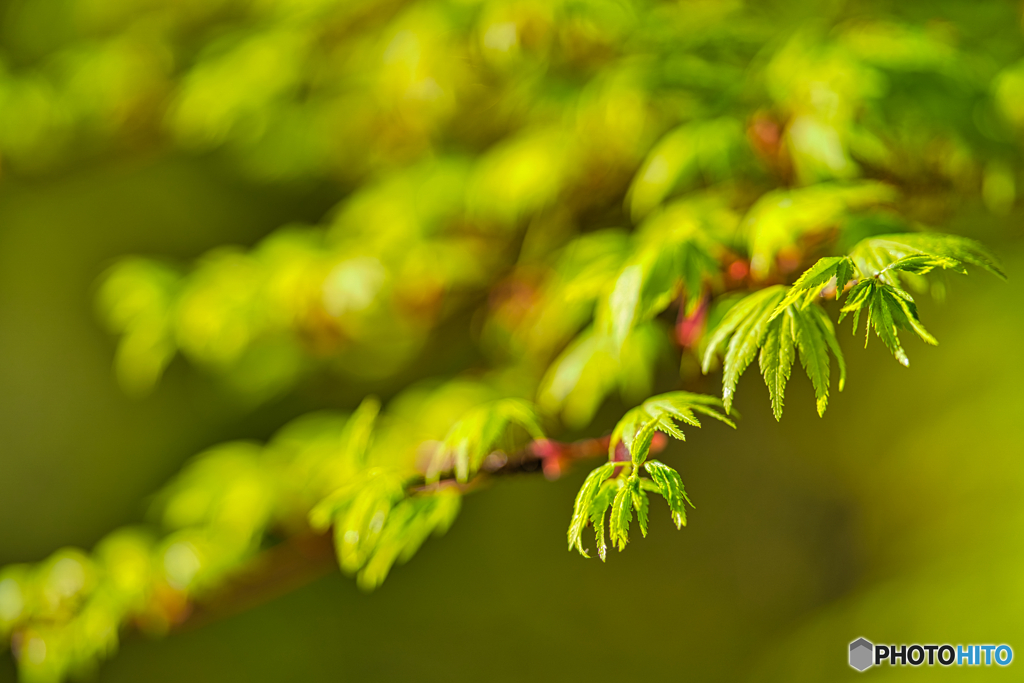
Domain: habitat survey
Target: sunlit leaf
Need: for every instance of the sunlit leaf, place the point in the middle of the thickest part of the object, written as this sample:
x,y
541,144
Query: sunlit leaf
x,y
879,256
584,503
776,358
659,413
743,328
888,310
622,514
670,485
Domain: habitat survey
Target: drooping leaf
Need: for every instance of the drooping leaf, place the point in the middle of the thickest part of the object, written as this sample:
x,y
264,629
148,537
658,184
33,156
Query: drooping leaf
x,y
881,320
584,502
642,505
358,526
810,341
441,507
743,328
758,322
776,358
410,523
622,514
888,309
828,331
598,510
670,486
905,316
857,301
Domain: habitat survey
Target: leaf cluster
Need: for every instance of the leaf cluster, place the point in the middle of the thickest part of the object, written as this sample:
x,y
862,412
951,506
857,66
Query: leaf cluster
x,y
778,323
478,434
616,490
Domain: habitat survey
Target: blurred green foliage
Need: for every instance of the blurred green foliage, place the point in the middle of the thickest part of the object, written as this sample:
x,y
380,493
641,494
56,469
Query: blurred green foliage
x,y
573,195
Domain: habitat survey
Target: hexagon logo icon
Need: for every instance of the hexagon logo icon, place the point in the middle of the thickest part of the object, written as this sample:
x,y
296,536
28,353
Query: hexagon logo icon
x,y
862,654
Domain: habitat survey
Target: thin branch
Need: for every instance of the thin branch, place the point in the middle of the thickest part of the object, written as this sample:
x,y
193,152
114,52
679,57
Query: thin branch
x,y
304,557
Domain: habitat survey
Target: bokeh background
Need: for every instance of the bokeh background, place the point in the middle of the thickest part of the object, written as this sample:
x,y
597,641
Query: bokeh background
x,y
896,517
